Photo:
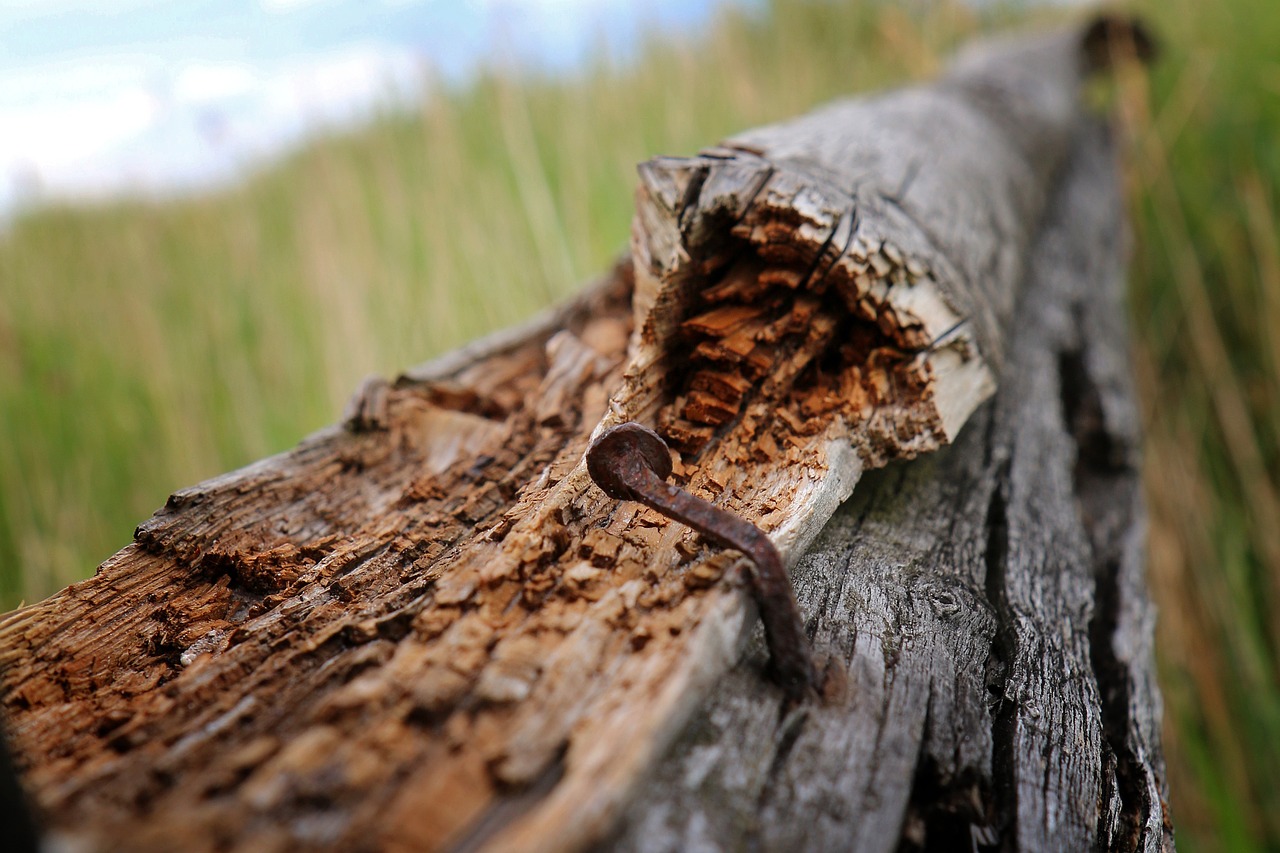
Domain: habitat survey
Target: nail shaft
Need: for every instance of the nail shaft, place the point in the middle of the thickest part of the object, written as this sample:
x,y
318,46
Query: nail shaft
x,y
631,462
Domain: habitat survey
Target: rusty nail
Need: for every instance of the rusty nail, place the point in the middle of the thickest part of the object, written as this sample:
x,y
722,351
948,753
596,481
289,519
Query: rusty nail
x,y
631,462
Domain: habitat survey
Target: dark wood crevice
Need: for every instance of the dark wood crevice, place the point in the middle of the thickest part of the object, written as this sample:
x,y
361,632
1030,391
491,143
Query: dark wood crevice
x,y
999,674
1105,469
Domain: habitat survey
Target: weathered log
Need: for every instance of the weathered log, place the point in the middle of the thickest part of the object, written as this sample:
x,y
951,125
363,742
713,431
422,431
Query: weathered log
x,y
430,631
990,602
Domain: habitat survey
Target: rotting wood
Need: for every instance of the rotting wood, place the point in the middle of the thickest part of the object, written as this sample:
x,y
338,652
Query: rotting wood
x,y
431,631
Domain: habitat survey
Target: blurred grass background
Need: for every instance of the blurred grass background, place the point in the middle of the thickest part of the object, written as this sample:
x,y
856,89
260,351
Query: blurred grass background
x,y
145,346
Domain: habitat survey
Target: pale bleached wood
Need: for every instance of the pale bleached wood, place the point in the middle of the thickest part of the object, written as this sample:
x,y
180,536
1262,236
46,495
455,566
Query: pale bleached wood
x,y
430,631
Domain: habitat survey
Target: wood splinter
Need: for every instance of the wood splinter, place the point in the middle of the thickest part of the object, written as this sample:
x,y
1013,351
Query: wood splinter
x,y
631,462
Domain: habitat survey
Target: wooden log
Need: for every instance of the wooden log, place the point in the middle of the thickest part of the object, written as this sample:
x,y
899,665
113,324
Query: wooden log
x,y
429,630
989,601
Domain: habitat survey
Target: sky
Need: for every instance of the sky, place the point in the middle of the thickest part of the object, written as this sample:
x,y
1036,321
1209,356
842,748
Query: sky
x,y
108,97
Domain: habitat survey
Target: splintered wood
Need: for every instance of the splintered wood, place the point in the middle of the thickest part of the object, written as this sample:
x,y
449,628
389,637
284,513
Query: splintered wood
x,y
833,335
429,630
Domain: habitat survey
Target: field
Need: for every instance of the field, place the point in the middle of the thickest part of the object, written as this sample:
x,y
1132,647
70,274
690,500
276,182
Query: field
x,y
146,346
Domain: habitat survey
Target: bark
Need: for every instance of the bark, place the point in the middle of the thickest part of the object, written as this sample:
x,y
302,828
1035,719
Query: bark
x,y
429,630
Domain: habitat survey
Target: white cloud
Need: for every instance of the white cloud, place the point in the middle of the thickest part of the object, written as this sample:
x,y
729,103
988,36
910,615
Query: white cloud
x,y
44,139
58,114
201,82
97,126
71,80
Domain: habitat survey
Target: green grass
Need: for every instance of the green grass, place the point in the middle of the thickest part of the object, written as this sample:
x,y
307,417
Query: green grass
x,y
144,347
1205,185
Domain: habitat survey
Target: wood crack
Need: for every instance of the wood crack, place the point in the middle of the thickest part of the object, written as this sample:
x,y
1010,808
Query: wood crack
x,y
1101,472
1003,706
